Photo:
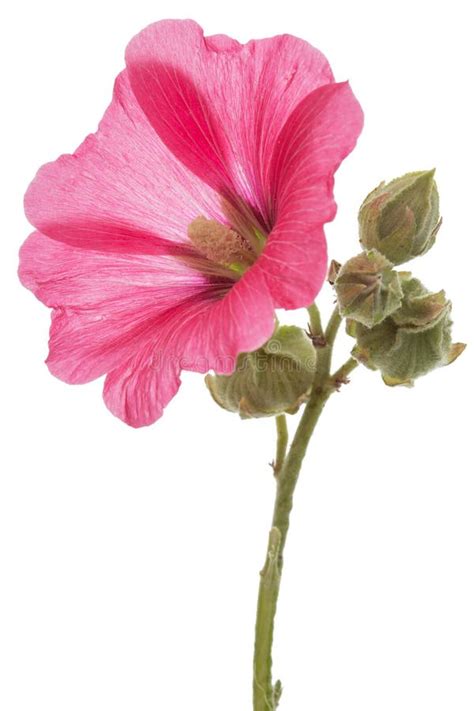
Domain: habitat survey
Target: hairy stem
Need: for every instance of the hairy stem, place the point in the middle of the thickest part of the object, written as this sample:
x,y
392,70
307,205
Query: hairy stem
x,y
340,377
282,443
315,321
265,694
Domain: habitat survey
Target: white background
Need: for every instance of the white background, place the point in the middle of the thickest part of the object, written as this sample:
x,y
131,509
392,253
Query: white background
x,y
129,559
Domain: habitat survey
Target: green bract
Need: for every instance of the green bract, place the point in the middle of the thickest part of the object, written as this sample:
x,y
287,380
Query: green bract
x,y
401,219
368,288
412,341
274,379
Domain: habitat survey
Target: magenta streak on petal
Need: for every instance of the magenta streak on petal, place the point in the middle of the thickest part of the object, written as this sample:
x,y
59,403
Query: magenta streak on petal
x,y
219,105
122,176
322,130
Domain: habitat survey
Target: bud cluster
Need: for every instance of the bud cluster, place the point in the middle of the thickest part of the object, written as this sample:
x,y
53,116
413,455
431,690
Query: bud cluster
x,y
411,342
401,328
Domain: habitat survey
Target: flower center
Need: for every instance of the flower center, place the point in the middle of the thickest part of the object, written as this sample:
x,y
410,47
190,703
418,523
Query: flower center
x,y
221,244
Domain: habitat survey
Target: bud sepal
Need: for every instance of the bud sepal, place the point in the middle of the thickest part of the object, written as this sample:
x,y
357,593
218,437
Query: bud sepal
x,y
368,289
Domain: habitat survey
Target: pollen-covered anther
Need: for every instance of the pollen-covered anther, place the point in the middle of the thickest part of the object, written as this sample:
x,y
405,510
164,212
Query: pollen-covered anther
x,y
219,243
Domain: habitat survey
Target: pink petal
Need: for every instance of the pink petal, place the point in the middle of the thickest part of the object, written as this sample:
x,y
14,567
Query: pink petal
x,y
141,318
122,190
240,322
200,336
138,391
106,305
218,105
321,131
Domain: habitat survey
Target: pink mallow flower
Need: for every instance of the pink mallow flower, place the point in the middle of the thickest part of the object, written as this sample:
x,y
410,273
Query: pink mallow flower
x,y
169,238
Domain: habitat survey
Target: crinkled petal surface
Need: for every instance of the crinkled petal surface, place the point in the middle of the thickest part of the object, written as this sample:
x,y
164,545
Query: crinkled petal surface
x,y
320,132
219,105
127,313
264,124
122,190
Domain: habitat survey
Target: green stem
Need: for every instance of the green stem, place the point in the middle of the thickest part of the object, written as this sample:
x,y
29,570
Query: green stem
x,y
289,474
331,331
265,694
315,320
282,443
341,375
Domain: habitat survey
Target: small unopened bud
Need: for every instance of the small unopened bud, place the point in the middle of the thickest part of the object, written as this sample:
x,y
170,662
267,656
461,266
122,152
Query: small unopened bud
x,y
411,342
368,288
401,219
274,379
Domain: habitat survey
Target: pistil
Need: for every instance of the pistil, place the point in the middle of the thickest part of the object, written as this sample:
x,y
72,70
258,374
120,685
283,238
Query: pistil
x,y
221,244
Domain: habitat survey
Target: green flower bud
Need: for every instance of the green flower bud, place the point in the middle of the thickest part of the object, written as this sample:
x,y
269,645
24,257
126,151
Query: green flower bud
x,y
274,379
368,289
401,219
411,342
